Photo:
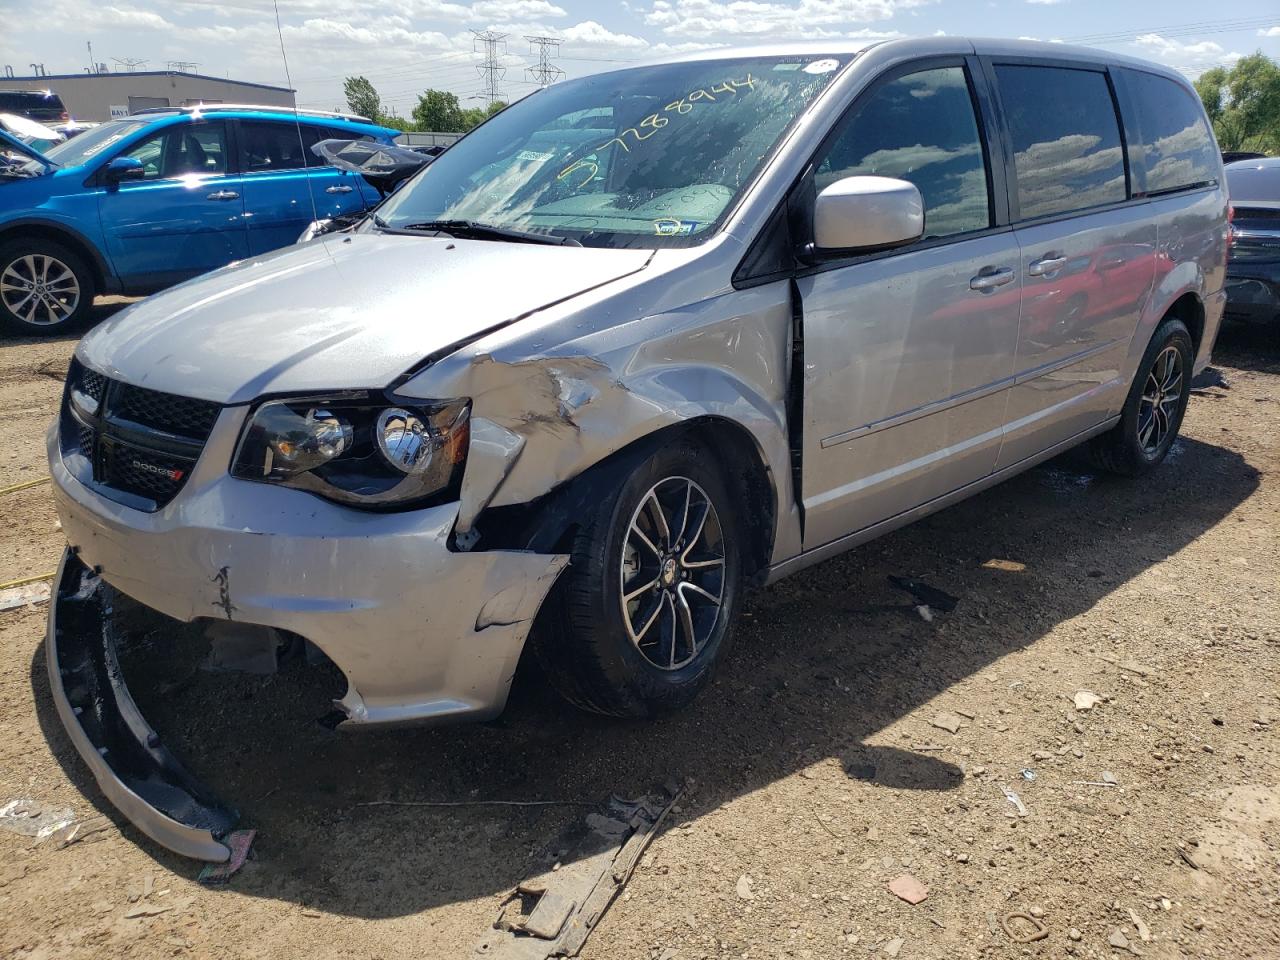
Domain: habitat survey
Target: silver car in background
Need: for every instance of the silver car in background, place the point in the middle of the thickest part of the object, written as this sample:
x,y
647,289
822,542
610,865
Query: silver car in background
x,y
640,341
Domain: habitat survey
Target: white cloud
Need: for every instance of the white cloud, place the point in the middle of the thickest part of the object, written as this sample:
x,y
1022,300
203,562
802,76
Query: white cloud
x,y
589,33
768,20
1270,32
1190,58
1044,3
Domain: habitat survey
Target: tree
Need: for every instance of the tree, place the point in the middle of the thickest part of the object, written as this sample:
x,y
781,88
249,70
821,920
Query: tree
x,y
437,111
362,98
1244,103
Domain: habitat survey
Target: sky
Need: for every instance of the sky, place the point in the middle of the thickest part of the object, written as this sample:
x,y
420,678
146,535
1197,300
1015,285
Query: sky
x,y
405,46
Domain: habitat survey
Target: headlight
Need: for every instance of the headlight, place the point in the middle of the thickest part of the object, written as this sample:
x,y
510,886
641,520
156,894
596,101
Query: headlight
x,y
358,449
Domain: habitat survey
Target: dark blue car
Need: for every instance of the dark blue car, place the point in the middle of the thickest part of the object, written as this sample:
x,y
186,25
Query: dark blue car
x,y
144,202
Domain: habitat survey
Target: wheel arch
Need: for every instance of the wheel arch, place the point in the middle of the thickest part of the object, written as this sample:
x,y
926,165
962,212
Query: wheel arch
x,y
549,523
28,227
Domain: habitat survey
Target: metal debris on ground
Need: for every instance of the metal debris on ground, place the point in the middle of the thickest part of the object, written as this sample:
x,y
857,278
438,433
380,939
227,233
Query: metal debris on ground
x,y
552,913
239,842
1028,774
1037,931
926,595
27,595
31,818
1015,800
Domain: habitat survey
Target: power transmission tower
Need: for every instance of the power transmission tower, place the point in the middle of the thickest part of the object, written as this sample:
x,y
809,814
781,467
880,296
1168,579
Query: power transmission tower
x,y
491,68
545,73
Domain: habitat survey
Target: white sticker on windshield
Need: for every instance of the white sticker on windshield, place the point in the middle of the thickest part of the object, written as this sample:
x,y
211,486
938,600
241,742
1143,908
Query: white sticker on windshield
x,y
787,66
532,155
821,66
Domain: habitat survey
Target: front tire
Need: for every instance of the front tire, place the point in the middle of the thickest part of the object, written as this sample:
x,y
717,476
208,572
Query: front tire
x,y
648,602
1154,408
45,287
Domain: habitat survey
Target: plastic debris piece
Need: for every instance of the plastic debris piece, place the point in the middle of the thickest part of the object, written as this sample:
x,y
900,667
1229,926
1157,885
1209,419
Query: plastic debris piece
x,y
744,888
1028,774
31,818
239,842
1009,566
1086,700
75,832
25,596
908,888
1038,930
1015,800
949,722
925,613
893,946
926,595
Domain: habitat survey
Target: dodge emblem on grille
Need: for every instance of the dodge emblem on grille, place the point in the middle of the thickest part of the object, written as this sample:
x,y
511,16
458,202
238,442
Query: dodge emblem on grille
x,y
174,475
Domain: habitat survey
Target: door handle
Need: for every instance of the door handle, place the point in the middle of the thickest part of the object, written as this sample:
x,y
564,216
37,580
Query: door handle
x,y
990,278
223,195
343,188
1046,265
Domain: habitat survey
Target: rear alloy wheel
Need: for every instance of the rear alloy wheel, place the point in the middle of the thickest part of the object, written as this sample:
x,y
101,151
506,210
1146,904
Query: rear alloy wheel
x,y
1154,408
43,288
647,604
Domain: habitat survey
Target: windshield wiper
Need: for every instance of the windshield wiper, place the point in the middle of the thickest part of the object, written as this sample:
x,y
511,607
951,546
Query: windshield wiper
x,y
463,229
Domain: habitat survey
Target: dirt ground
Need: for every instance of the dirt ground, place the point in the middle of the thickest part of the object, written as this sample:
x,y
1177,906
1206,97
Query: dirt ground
x,y
815,774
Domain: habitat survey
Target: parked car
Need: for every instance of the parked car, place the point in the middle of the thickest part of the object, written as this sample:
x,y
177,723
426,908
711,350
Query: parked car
x,y
43,106
31,132
1232,156
138,204
1253,268
773,304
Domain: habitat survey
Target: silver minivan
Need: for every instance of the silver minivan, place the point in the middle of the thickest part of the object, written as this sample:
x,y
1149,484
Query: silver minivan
x,y
641,341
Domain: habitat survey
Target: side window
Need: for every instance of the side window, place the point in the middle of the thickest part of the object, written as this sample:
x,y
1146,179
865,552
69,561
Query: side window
x,y
920,128
181,150
196,148
150,153
267,146
1176,146
1066,139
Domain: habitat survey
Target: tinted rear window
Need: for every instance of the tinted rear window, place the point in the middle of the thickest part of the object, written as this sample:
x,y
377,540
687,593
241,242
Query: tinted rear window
x,y
36,104
1175,144
1066,139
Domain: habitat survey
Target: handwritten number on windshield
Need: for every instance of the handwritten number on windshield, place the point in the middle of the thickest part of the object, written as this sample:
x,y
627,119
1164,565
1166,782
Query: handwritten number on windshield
x,y
651,124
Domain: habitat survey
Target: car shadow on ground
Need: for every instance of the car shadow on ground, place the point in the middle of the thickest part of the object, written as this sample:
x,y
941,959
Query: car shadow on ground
x,y
823,665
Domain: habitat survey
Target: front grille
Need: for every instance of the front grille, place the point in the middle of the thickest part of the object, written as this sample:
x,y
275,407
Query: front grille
x,y
149,474
136,441
164,411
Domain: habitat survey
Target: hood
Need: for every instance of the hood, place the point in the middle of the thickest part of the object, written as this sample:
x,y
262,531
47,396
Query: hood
x,y
348,311
9,142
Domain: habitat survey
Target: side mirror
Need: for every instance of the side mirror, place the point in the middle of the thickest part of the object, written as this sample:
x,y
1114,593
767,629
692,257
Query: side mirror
x,y
125,168
866,214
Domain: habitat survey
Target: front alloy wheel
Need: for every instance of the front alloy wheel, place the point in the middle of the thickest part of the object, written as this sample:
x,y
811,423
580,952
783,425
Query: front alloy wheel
x,y
40,290
646,606
44,287
672,576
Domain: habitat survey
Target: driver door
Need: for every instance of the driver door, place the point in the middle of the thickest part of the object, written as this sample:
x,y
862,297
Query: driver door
x,y
186,215
908,354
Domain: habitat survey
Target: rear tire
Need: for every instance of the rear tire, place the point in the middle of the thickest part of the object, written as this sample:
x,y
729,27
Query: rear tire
x,y
1153,410
651,654
45,287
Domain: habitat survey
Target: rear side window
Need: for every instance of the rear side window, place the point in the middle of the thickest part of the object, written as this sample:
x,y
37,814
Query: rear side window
x,y
919,128
1176,148
267,146
1066,139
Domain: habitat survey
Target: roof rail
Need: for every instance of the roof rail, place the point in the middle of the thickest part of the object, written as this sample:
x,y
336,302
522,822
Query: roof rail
x,y
214,107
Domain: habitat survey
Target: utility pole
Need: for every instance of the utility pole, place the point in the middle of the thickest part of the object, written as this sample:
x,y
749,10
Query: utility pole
x,y
89,44
491,68
545,73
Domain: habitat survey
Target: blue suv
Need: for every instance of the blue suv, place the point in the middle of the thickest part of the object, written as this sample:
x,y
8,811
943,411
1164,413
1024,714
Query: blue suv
x,y
144,202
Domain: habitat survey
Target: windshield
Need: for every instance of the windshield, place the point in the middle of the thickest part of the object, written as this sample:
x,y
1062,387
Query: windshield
x,y
82,149
653,156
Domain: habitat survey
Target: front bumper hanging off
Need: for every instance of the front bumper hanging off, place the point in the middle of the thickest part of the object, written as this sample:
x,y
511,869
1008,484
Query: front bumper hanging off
x,y
133,768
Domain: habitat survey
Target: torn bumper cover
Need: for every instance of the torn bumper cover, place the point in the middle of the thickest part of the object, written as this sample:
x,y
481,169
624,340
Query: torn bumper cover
x,y
133,768
422,633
